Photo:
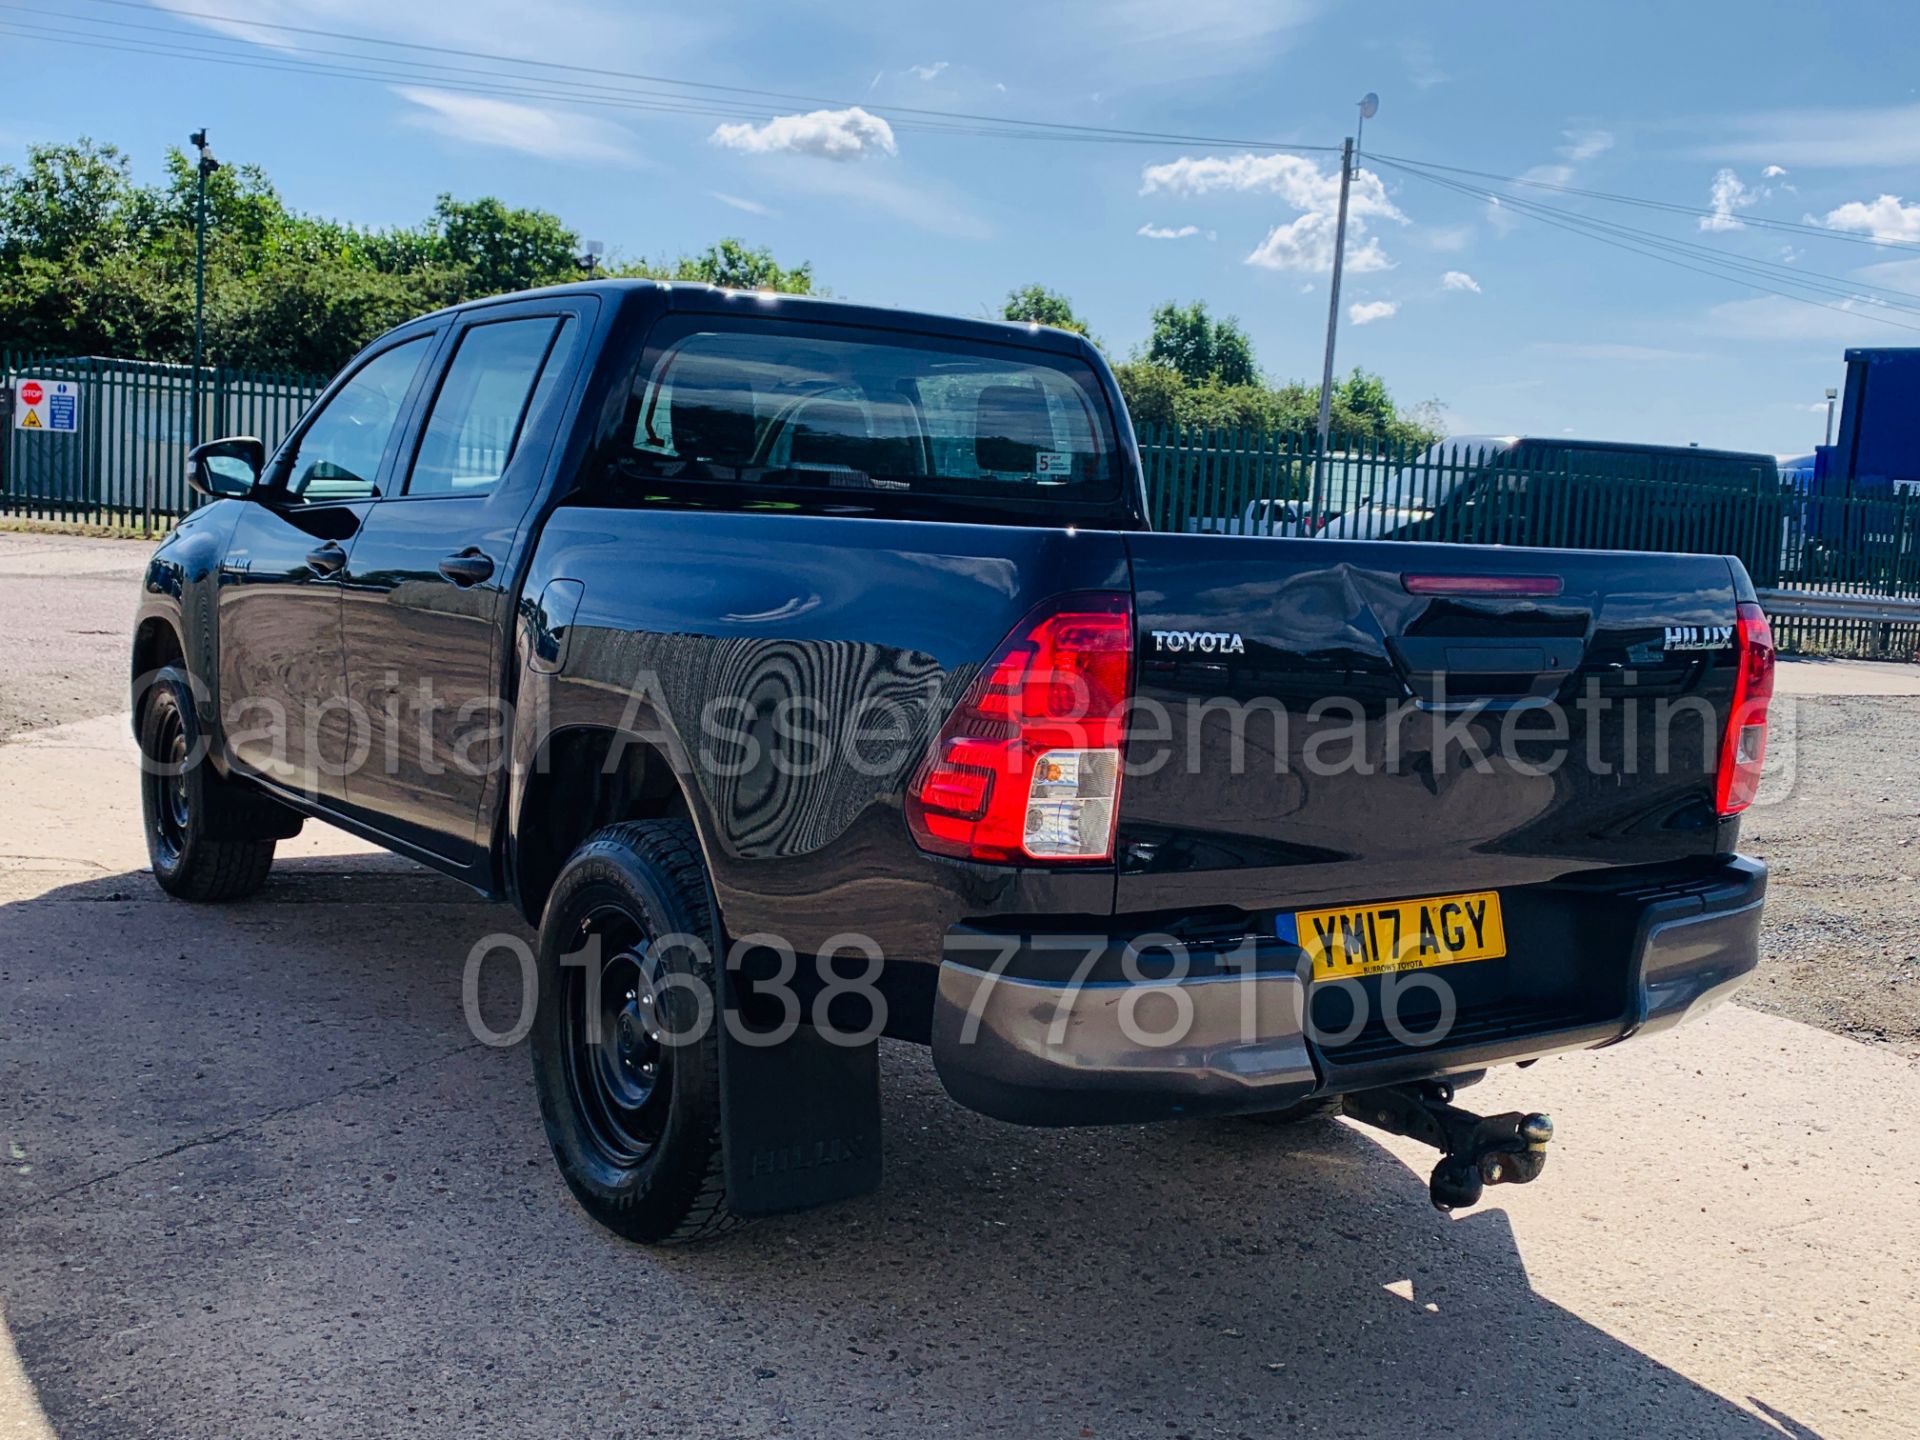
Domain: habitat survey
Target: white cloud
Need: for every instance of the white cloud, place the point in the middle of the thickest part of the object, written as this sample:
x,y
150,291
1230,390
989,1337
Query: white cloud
x,y
1885,135
1772,317
933,208
927,72
740,202
1166,42
1791,254
1422,68
566,29
557,135
1585,144
1304,243
1885,218
1729,194
1372,310
1448,239
1773,172
1167,232
849,134
1459,280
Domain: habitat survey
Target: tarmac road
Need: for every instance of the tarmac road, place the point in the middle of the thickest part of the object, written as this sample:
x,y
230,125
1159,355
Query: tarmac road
x,y
258,1178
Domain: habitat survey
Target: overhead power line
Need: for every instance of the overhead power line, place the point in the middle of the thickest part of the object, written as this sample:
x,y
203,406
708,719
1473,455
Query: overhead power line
x,y
1793,274
1801,227
398,62
1710,263
948,121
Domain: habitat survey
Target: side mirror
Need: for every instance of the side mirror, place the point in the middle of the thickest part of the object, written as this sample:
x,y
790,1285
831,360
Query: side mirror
x,y
226,469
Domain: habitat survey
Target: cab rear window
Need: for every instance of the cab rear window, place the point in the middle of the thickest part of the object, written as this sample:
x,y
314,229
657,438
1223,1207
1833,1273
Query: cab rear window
x,y
840,409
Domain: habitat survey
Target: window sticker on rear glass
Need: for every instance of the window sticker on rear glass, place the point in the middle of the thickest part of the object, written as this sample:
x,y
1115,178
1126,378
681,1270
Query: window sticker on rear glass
x,y
1054,462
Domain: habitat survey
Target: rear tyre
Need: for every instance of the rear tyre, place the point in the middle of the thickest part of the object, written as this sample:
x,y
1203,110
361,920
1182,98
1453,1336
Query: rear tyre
x,y
195,821
1305,1112
626,1052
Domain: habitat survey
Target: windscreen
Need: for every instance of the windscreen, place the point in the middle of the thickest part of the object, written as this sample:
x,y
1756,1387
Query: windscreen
x,y
837,408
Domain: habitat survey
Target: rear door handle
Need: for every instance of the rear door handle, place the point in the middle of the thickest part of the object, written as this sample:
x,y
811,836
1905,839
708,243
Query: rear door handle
x,y
469,567
327,560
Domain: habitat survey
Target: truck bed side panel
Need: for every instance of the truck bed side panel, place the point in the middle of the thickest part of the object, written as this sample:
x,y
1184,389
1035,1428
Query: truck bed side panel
x,y
863,631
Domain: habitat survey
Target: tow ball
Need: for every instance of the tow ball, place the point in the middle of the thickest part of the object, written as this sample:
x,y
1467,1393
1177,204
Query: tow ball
x,y
1475,1150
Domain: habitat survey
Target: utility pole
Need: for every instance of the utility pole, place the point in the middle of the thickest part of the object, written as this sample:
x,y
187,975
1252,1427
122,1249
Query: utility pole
x,y
206,166
1832,395
1316,505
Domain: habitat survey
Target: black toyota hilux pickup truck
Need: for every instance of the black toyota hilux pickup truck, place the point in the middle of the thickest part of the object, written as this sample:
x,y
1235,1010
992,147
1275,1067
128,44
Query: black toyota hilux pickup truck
x,y
810,673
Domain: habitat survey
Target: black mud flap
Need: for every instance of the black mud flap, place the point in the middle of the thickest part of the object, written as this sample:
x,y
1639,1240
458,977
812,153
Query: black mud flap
x,y
799,1120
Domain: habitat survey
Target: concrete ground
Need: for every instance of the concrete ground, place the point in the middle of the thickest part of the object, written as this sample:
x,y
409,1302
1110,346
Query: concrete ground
x,y
258,1178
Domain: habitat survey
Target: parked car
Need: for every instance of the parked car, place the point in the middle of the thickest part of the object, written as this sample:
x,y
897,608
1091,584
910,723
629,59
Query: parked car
x,y
582,561
1524,490
1263,517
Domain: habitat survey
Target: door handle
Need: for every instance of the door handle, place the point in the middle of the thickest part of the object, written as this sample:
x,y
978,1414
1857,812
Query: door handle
x,y
327,560
469,567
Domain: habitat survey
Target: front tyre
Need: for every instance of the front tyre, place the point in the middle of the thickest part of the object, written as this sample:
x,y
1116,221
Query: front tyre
x,y
194,820
625,1037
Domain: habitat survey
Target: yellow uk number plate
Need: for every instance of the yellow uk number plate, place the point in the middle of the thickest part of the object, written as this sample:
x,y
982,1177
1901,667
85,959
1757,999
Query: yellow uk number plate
x,y
1402,935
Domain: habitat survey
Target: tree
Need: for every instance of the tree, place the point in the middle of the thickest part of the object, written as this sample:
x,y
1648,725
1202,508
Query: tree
x,y
70,200
1035,304
1158,394
502,248
93,263
1201,348
729,263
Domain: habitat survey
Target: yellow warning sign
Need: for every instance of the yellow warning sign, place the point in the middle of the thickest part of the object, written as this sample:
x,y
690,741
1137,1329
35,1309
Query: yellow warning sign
x,y
30,421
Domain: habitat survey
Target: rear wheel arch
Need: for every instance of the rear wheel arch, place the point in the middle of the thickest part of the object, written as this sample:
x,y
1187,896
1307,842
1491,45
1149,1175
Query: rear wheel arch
x,y
585,778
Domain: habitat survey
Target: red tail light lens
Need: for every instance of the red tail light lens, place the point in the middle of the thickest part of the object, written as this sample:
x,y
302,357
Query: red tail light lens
x,y
1743,749
1028,765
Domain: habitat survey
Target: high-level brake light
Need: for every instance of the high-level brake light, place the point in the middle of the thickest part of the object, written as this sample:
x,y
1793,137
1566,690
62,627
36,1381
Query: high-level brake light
x,y
1027,768
1743,749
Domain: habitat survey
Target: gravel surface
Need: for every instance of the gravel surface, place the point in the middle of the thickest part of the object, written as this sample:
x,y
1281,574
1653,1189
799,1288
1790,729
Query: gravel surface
x,y
68,606
1838,821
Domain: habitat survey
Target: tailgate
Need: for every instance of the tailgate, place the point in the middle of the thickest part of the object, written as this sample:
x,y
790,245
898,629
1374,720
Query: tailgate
x,y
1332,735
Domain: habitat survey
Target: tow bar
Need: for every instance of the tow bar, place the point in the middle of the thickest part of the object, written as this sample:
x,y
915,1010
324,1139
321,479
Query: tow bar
x,y
1475,1150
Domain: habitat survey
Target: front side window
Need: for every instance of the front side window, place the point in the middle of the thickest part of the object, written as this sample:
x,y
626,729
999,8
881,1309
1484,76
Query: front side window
x,y
482,407
341,449
835,408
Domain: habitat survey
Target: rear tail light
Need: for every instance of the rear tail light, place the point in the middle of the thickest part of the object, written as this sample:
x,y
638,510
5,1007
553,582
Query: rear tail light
x,y
1028,765
1743,748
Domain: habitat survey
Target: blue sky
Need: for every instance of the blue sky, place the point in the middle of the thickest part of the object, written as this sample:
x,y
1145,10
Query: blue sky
x,y
1788,112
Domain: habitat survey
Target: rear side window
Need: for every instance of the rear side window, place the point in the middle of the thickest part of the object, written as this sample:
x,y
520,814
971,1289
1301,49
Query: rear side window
x,y
482,407
814,407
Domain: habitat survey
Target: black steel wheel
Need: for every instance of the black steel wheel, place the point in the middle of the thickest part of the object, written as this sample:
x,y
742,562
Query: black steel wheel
x,y
625,1040
203,835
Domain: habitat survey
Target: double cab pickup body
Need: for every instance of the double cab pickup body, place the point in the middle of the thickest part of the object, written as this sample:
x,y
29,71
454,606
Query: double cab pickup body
x,y
810,673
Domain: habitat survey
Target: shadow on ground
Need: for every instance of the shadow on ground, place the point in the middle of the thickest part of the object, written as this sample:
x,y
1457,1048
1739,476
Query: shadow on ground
x,y
265,1182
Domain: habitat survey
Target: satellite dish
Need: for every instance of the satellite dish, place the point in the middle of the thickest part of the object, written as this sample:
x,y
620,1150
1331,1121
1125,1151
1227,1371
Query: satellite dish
x,y
1369,105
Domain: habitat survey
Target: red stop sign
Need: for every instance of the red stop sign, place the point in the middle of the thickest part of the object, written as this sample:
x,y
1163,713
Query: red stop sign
x,y
32,393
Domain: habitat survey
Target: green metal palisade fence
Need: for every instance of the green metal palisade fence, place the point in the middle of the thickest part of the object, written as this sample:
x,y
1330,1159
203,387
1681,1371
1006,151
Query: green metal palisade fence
x,y
1235,482
125,464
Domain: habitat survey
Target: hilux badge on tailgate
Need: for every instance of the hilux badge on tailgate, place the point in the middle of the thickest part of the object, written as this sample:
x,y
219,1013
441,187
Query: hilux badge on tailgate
x,y
1698,637
1204,642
